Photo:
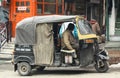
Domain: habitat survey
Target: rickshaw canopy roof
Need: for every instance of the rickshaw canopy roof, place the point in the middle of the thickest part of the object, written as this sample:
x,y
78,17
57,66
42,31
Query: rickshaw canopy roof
x,y
25,29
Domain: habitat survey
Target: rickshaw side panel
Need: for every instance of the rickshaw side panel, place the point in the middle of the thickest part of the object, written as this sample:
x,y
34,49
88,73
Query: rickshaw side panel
x,y
23,53
86,54
19,57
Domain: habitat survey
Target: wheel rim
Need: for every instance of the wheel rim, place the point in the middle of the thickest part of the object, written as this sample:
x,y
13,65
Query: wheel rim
x,y
24,68
102,66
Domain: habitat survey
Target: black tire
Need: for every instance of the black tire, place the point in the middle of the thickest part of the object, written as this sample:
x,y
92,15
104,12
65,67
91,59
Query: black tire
x,y
101,68
41,68
24,69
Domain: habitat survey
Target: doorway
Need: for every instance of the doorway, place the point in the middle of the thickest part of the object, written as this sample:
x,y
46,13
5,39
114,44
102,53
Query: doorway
x,y
117,24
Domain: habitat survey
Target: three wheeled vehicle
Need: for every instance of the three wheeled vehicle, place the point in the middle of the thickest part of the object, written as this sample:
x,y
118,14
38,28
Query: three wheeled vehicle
x,y
38,44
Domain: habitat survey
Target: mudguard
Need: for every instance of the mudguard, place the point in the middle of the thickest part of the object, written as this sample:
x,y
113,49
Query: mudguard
x,y
24,58
103,55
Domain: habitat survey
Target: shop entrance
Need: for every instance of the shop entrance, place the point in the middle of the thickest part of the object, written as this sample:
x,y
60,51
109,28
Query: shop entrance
x,y
20,9
117,26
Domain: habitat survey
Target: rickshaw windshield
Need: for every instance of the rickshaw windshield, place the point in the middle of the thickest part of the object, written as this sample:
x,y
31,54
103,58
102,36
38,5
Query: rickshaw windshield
x,y
84,27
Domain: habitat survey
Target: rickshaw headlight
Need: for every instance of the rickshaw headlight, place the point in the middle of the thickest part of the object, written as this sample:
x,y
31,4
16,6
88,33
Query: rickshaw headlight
x,y
106,52
89,41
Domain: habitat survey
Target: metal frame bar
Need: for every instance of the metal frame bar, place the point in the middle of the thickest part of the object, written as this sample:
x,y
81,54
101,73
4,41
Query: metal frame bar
x,y
3,37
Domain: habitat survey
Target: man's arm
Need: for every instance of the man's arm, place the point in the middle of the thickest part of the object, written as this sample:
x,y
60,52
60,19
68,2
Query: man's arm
x,y
98,29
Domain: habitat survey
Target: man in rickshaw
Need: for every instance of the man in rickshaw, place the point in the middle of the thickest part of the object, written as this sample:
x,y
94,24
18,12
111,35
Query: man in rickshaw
x,y
69,42
96,29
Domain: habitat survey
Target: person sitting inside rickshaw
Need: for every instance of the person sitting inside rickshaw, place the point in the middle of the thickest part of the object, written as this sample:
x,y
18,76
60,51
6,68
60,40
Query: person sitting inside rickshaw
x,y
68,42
64,26
96,29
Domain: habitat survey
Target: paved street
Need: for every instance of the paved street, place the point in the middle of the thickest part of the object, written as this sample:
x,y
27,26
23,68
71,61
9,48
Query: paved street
x,y
6,71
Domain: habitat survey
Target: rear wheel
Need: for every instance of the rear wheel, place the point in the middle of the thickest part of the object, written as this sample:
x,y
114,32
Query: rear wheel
x,y
102,66
24,68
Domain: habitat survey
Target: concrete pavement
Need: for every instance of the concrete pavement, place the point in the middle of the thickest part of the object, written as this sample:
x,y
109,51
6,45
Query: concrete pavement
x,y
6,52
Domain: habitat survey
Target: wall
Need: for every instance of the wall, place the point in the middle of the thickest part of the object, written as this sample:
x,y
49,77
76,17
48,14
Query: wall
x,y
112,19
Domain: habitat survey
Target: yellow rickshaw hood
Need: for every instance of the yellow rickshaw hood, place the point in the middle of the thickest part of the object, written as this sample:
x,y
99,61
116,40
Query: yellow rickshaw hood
x,y
87,36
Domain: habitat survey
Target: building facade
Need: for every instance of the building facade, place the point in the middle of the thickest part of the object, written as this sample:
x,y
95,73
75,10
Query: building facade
x,y
20,9
113,19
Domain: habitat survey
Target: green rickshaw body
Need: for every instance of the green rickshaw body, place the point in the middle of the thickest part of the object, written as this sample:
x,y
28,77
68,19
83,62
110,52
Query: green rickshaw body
x,y
37,43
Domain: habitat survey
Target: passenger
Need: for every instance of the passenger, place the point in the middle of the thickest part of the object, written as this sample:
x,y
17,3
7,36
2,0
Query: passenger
x,y
64,26
96,29
69,42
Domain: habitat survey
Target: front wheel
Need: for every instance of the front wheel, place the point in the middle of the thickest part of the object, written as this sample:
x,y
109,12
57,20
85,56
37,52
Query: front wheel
x,y
102,66
24,68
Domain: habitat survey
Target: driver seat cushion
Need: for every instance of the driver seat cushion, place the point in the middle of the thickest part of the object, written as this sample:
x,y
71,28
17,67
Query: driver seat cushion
x,y
67,51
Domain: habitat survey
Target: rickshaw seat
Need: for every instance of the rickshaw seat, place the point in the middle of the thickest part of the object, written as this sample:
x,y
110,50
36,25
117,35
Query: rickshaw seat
x,y
67,51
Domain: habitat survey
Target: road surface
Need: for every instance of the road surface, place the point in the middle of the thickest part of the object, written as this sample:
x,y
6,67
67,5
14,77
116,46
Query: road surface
x,y
6,71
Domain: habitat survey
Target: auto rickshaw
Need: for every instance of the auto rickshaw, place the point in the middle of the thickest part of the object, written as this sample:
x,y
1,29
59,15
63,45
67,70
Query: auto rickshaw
x,y
38,45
